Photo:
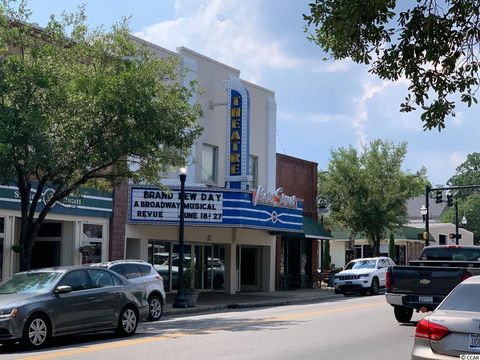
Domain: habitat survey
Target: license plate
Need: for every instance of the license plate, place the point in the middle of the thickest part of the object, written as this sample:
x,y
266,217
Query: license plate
x,y
474,343
425,299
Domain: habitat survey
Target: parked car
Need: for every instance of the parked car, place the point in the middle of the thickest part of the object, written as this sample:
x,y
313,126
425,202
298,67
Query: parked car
x,y
36,305
363,275
453,328
144,274
425,282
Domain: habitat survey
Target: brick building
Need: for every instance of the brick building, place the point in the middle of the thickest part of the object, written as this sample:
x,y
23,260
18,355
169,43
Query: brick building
x,y
297,257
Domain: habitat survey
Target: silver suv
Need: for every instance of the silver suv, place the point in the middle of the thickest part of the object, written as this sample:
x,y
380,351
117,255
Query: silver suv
x,y
142,273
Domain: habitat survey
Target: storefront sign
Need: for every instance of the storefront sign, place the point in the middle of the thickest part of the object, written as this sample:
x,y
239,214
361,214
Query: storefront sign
x,y
150,204
238,132
220,208
235,133
278,198
87,202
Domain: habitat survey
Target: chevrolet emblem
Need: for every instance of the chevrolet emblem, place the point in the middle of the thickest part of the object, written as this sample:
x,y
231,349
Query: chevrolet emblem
x,y
424,281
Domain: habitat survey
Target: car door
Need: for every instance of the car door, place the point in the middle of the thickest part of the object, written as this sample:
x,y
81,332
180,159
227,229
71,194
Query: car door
x,y
73,311
107,297
382,266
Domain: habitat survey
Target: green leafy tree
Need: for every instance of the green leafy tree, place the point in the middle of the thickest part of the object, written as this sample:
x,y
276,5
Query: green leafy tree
x,y
467,173
433,44
78,105
327,258
368,190
470,207
391,247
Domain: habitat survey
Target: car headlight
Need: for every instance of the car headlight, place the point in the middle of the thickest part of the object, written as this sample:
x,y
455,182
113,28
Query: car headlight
x,y
8,313
363,275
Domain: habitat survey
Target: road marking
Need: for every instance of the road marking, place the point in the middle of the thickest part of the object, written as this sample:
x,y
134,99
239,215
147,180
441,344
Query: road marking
x,y
175,335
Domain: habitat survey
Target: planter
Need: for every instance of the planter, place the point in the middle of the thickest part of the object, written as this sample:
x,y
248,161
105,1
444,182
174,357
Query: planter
x,y
192,297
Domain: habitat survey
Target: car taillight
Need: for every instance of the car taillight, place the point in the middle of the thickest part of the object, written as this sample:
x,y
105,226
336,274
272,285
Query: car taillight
x,y
388,280
466,275
159,277
429,330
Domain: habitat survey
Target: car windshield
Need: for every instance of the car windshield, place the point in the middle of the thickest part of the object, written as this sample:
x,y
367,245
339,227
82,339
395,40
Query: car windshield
x,y
451,254
30,282
463,298
361,264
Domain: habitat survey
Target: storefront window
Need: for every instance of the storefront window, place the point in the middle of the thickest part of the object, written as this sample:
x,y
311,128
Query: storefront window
x,y
209,163
92,240
158,256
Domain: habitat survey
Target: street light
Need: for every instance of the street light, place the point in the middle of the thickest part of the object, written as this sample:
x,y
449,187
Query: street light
x,y
464,220
180,299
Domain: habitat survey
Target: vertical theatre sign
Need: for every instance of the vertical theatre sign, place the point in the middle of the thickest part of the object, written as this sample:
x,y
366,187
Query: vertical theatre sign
x,y
238,124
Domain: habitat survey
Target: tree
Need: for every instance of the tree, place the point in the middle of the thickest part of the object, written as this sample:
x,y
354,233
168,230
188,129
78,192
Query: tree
x,y
467,173
391,247
327,258
368,190
78,105
433,44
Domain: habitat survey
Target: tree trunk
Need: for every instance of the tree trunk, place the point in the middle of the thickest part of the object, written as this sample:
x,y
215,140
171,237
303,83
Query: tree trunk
x,y
376,246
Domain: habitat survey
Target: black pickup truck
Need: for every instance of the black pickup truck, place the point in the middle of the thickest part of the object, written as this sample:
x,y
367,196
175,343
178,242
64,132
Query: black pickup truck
x,y
424,283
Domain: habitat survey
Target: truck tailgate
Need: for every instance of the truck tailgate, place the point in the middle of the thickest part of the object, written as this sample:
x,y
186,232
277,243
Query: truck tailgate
x,y
424,280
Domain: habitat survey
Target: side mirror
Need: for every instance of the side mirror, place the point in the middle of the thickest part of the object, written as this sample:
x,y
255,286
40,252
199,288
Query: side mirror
x,y
63,289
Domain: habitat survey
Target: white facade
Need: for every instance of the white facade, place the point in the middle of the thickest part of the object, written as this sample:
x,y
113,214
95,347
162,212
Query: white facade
x,y
248,254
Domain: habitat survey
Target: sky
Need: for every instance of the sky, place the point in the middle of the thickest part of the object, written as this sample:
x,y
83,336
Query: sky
x,y
321,105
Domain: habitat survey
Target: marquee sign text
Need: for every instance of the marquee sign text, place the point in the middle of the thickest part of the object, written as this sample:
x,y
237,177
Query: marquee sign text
x,y
158,205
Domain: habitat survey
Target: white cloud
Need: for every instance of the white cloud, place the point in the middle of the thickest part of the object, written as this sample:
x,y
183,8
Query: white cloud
x,y
227,31
343,65
312,118
224,30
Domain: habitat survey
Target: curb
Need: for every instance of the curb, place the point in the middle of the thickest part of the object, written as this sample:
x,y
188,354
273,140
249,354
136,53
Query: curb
x,y
268,303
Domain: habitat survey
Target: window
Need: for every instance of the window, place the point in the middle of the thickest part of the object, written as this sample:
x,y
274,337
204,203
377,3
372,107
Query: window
x,y
78,280
131,271
209,163
145,269
100,278
254,170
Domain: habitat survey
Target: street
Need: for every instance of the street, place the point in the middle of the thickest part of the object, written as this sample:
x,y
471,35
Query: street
x,y
349,328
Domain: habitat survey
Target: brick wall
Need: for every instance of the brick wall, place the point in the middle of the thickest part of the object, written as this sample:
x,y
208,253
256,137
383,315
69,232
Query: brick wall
x,y
119,220
299,177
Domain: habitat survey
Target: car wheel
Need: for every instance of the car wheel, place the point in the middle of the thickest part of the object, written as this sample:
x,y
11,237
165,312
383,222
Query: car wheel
x,y
155,307
375,288
128,321
36,332
403,314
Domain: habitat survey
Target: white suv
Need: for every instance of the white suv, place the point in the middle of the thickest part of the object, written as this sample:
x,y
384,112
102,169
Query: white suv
x,y
142,273
363,275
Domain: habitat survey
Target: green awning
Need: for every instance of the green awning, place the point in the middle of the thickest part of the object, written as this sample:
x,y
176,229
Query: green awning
x,y
312,229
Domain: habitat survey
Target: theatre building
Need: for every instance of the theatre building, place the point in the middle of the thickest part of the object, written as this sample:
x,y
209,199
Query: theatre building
x,y
76,230
233,206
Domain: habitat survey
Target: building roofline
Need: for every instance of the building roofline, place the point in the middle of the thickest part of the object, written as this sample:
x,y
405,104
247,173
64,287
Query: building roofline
x,y
155,46
182,49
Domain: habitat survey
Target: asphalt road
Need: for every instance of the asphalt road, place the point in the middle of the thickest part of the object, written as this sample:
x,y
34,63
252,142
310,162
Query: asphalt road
x,y
349,328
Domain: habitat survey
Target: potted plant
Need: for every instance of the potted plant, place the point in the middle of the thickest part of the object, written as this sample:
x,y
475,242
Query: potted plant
x,y
191,294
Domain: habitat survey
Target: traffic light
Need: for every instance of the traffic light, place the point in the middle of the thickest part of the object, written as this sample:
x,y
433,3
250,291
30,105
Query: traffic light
x,y
438,196
449,199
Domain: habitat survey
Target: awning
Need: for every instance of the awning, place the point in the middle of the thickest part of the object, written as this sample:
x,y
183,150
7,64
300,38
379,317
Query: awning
x,y
313,230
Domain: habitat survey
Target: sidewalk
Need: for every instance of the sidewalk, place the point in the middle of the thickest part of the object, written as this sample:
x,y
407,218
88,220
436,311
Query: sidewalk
x,y
215,301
